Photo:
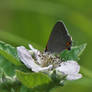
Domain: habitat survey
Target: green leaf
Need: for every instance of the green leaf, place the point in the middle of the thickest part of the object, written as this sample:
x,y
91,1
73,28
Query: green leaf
x,y
9,83
10,53
7,67
74,53
25,89
32,80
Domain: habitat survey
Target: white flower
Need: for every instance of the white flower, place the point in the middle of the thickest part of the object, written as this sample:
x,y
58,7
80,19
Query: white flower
x,y
41,61
71,69
27,59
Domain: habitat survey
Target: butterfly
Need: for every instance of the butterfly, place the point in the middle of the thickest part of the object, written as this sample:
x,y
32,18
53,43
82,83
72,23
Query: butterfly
x,y
59,39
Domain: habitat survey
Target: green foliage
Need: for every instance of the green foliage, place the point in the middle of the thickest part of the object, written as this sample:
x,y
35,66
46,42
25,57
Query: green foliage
x,y
73,54
9,60
9,52
32,80
25,89
8,83
7,67
32,20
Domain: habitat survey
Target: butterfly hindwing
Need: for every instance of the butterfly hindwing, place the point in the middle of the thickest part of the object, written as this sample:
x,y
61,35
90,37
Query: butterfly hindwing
x,y
59,39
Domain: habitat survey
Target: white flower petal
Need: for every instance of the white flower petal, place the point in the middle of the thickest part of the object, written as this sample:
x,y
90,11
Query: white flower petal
x,y
69,67
27,59
33,49
74,76
46,68
36,52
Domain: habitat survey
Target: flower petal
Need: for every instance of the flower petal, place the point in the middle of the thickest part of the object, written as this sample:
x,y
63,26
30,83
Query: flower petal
x,y
74,76
36,53
69,67
33,49
27,59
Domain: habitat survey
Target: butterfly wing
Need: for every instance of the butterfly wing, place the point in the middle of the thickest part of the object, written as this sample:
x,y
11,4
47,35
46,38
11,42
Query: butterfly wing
x,y
59,39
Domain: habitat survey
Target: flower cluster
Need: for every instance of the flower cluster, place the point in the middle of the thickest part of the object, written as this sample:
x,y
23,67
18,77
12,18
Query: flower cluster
x,y
39,61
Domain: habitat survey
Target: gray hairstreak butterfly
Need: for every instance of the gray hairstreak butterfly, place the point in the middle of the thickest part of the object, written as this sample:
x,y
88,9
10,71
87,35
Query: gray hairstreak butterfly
x,y
59,39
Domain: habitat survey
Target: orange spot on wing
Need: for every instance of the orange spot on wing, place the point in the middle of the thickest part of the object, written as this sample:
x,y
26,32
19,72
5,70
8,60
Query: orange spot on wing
x,y
68,43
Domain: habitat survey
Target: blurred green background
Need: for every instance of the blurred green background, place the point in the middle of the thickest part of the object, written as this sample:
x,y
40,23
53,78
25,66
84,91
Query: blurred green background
x,y
31,21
